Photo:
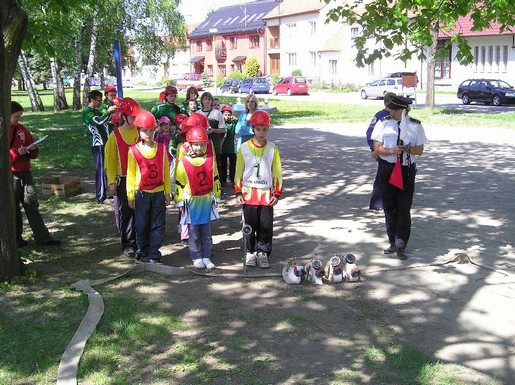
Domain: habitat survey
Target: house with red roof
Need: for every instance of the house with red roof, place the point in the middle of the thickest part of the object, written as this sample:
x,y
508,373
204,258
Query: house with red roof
x,y
493,51
223,42
287,35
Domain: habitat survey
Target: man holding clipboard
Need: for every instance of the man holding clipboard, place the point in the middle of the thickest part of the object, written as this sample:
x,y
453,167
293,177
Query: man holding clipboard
x,y
23,148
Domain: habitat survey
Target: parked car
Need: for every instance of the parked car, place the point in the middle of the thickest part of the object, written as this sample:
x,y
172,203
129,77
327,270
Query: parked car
x,y
487,91
292,85
230,85
255,85
379,87
190,80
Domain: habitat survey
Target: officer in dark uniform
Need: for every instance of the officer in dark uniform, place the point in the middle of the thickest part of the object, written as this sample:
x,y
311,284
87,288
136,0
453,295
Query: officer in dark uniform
x,y
398,136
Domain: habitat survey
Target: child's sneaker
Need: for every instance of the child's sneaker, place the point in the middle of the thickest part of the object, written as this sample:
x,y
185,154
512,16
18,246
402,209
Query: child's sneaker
x,y
198,264
207,262
262,260
156,261
250,259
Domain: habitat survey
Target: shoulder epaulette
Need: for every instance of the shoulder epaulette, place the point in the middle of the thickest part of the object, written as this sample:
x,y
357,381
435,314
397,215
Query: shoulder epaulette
x,y
385,118
414,120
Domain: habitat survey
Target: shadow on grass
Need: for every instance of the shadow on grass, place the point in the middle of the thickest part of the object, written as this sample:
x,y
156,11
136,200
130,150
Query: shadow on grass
x,y
220,331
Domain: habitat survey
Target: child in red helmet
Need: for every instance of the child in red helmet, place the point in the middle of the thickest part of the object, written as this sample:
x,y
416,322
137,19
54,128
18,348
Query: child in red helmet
x,y
148,180
258,184
109,101
167,105
116,154
197,189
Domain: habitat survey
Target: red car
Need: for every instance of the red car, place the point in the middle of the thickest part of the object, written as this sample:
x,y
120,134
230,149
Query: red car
x,y
292,85
190,80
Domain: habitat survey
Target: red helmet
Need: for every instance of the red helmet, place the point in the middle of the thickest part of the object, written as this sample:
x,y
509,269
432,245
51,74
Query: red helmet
x,y
116,117
109,89
196,119
179,118
196,134
162,96
260,118
117,100
170,90
145,119
227,108
129,106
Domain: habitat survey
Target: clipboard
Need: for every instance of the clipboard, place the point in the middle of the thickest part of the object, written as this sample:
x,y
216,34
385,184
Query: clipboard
x,y
40,140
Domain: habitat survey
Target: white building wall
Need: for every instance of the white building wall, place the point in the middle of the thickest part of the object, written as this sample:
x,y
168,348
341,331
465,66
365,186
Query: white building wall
x,y
494,58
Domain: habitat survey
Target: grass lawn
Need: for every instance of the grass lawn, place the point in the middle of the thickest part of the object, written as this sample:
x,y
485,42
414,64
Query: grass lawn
x,y
143,339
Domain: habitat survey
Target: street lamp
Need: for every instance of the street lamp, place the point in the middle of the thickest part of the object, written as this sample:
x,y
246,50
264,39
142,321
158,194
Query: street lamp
x,y
214,31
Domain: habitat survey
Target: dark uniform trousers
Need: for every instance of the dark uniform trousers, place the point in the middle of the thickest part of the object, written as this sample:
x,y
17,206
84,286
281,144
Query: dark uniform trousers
x,y
25,195
397,203
150,213
128,235
261,219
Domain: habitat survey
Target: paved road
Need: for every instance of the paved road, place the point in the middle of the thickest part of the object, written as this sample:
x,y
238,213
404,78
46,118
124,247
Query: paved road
x,y
441,100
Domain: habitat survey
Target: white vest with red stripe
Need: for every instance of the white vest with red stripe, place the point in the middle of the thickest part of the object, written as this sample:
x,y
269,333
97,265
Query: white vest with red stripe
x,y
257,160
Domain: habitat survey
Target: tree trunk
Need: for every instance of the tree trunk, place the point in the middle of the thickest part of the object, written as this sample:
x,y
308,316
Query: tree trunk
x,y
35,99
13,26
60,102
430,86
91,56
77,105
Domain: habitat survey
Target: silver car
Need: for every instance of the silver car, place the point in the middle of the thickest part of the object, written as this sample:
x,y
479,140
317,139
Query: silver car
x,y
378,88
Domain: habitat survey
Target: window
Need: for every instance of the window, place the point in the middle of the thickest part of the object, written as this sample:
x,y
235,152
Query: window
x,y
210,69
476,57
354,32
199,46
209,45
371,69
313,58
292,30
497,58
483,58
233,41
443,62
490,58
333,67
254,41
505,57
313,28
222,70
292,59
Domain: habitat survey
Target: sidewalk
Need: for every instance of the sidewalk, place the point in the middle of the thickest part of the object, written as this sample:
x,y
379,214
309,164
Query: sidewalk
x,y
463,203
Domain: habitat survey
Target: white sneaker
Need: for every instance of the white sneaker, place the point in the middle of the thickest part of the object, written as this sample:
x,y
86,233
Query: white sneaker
x,y
210,265
198,264
250,259
262,260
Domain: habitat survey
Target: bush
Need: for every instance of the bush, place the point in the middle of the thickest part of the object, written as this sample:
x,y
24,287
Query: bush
x,y
169,82
236,75
251,67
219,80
275,79
296,72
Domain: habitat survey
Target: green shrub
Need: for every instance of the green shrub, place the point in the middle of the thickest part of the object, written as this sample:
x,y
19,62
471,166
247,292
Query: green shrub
x,y
219,80
251,67
275,79
296,72
236,75
169,82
